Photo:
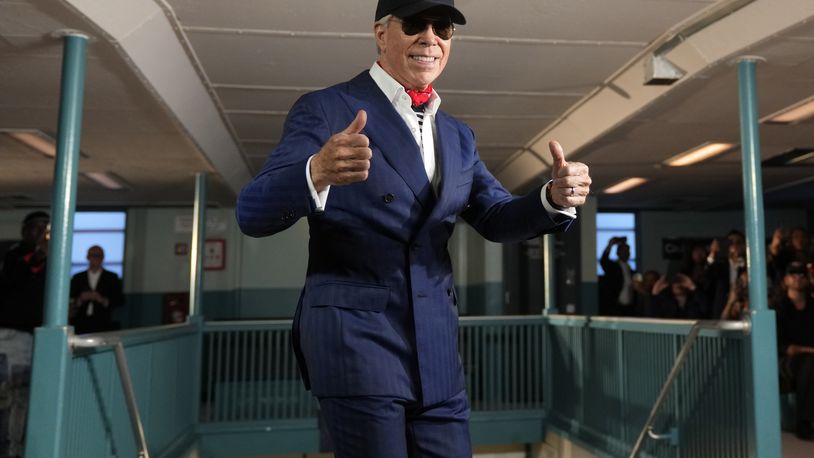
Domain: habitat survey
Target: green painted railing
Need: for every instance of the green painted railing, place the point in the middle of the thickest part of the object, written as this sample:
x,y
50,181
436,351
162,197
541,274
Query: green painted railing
x,y
250,373
592,379
251,389
605,374
162,363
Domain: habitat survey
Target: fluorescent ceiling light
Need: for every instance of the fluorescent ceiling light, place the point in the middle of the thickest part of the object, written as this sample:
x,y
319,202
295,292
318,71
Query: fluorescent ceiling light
x,y
798,112
36,140
625,185
802,157
790,157
699,153
107,180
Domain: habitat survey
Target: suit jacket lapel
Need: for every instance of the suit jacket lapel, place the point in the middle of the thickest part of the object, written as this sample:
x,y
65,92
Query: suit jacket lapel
x,y
449,157
387,131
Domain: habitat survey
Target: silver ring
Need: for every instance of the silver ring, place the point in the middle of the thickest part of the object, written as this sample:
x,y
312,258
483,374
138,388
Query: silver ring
x,y
572,190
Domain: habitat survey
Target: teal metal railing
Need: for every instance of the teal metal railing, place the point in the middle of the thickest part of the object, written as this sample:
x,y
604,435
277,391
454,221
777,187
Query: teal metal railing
x,y
606,373
250,374
161,362
253,401
592,379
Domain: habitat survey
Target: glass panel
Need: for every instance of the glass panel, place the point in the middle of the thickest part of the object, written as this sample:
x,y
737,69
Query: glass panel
x,y
99,221
615,221
111,242
105,229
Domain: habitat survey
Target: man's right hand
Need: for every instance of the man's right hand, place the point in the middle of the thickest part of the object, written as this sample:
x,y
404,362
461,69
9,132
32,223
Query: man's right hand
x,y
345,157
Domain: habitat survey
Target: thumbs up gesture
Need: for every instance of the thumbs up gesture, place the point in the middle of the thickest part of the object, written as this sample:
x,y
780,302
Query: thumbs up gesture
x,y
571,181
344,158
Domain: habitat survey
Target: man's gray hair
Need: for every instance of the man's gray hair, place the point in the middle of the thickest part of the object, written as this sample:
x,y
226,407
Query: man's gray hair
x,y
385,20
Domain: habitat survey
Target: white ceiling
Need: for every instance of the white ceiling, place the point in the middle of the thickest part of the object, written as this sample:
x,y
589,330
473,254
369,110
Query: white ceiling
x,y
183,86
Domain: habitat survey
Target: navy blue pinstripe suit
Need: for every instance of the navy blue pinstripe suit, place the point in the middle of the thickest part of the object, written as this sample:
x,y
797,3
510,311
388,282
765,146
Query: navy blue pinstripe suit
x,y
378,312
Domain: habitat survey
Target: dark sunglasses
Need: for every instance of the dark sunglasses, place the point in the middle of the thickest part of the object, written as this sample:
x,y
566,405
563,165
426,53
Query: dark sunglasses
x,y
443,28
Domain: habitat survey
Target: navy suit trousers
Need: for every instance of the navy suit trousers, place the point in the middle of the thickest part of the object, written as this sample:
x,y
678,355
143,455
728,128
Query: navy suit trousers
x,y
379,427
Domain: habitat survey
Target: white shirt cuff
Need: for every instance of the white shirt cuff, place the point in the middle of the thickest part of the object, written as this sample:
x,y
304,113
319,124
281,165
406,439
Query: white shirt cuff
x,y
320,198
570,212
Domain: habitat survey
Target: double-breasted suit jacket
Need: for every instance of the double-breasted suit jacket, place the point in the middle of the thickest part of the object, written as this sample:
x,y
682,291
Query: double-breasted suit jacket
x,y
378,312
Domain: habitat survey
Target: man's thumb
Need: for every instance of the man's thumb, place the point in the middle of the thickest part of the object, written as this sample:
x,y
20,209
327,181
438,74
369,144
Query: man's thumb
x,y
358,123
557,155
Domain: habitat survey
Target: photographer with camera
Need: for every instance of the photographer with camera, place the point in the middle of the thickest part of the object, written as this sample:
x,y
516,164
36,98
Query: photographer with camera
x,y
677,296
787,247
617,295
722,274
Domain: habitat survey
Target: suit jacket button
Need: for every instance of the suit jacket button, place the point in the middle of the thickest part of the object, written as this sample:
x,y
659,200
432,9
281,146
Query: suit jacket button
x,y
388,198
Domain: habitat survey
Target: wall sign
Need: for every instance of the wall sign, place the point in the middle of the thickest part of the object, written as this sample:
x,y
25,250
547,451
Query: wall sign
x,y
215,254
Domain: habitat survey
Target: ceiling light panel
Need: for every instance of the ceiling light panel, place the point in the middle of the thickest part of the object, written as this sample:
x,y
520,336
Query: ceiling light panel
x,y
700,153
625,185
793,114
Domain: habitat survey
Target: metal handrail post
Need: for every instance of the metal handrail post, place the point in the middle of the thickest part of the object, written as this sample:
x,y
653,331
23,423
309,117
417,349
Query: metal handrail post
x,y
50,368
198,242
671,377
127,385
130,398
764,407
549,282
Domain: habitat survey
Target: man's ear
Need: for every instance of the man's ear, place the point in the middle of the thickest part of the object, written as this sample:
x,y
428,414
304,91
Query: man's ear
x,y
379,31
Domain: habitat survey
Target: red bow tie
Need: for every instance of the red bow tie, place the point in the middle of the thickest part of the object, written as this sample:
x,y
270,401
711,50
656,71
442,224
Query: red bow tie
x,y
419,97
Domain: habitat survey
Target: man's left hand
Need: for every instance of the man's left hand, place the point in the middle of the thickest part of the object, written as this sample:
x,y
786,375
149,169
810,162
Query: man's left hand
x,y
572,183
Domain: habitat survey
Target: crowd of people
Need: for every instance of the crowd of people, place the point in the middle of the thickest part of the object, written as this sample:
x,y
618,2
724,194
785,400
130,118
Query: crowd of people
x,y
713,283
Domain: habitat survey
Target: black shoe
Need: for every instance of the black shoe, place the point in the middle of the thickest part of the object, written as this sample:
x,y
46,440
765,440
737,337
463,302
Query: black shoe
x,y
804,431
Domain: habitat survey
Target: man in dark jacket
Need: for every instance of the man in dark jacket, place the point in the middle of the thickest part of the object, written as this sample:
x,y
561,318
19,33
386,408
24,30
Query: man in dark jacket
x,y
94,294
795,335
23,276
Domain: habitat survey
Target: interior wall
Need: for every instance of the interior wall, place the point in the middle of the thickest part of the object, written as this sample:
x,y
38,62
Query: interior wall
x,y
259,278
262,278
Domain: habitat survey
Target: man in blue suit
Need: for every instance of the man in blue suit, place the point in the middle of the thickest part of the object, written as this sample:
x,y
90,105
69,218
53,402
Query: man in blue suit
x,y
382,177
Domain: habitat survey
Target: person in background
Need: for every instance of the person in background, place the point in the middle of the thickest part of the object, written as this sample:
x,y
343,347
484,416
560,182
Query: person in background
x,y
23,276
737,303
23,288
795,336
694,264
617,293
677,297
723,273
94,294
643,284
785,248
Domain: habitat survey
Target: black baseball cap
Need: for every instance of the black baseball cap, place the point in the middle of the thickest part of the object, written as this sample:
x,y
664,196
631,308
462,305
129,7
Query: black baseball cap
x,y
407,8
796,267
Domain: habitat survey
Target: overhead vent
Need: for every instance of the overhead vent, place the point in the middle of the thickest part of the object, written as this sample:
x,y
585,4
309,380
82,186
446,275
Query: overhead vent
x,y
660,71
